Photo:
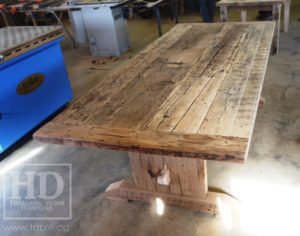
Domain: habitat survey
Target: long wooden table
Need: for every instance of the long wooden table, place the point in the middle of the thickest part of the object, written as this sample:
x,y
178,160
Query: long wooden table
x,y
190,96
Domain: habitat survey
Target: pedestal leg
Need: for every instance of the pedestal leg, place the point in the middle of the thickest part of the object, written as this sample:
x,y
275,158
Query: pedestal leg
x,y
224,14
187,187
276,17
287,7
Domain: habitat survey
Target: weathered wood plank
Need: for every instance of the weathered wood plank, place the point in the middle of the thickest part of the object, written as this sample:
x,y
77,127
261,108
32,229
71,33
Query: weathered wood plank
x,y
211,69
192,177
158,81
236,73
227,101
90,104
152,142
247,110
211,204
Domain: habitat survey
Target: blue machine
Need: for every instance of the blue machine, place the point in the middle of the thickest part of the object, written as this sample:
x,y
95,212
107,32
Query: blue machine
x,y
33,79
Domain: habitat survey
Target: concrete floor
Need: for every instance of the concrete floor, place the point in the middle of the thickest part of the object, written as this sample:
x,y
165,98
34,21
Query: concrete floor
x,y
268,184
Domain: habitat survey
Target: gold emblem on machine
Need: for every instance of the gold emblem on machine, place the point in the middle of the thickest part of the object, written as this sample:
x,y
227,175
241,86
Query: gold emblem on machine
x,y
30,84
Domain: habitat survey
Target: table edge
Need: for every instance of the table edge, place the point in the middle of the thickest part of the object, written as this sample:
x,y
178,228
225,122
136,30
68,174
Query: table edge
x,y
205,147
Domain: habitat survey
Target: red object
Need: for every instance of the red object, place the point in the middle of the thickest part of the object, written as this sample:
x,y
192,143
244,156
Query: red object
x,y
13,10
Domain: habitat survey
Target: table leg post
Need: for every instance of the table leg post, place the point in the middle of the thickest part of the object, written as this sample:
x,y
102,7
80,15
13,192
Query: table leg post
x,y
276,18
223,14
243,16
187,187
287,7
182,10
176,12
3,14
30,14
157,15
172,9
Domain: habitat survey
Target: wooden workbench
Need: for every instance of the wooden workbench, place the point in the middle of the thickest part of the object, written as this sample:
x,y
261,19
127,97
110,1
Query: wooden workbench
x,y
190,96
269,5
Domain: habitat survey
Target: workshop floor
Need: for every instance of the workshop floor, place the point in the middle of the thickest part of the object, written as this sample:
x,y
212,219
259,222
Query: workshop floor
x,y
268,184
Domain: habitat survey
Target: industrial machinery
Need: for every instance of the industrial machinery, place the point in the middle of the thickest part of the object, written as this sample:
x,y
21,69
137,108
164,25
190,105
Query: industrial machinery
x,y
102,25
99,23
33,79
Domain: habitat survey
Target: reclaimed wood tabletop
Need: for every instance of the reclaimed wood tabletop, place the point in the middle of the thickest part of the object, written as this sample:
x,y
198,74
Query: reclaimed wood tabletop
x,y
194,92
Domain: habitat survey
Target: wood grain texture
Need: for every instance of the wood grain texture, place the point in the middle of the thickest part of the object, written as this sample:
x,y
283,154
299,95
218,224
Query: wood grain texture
x,y
184,95
125,190
188,175
204,147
